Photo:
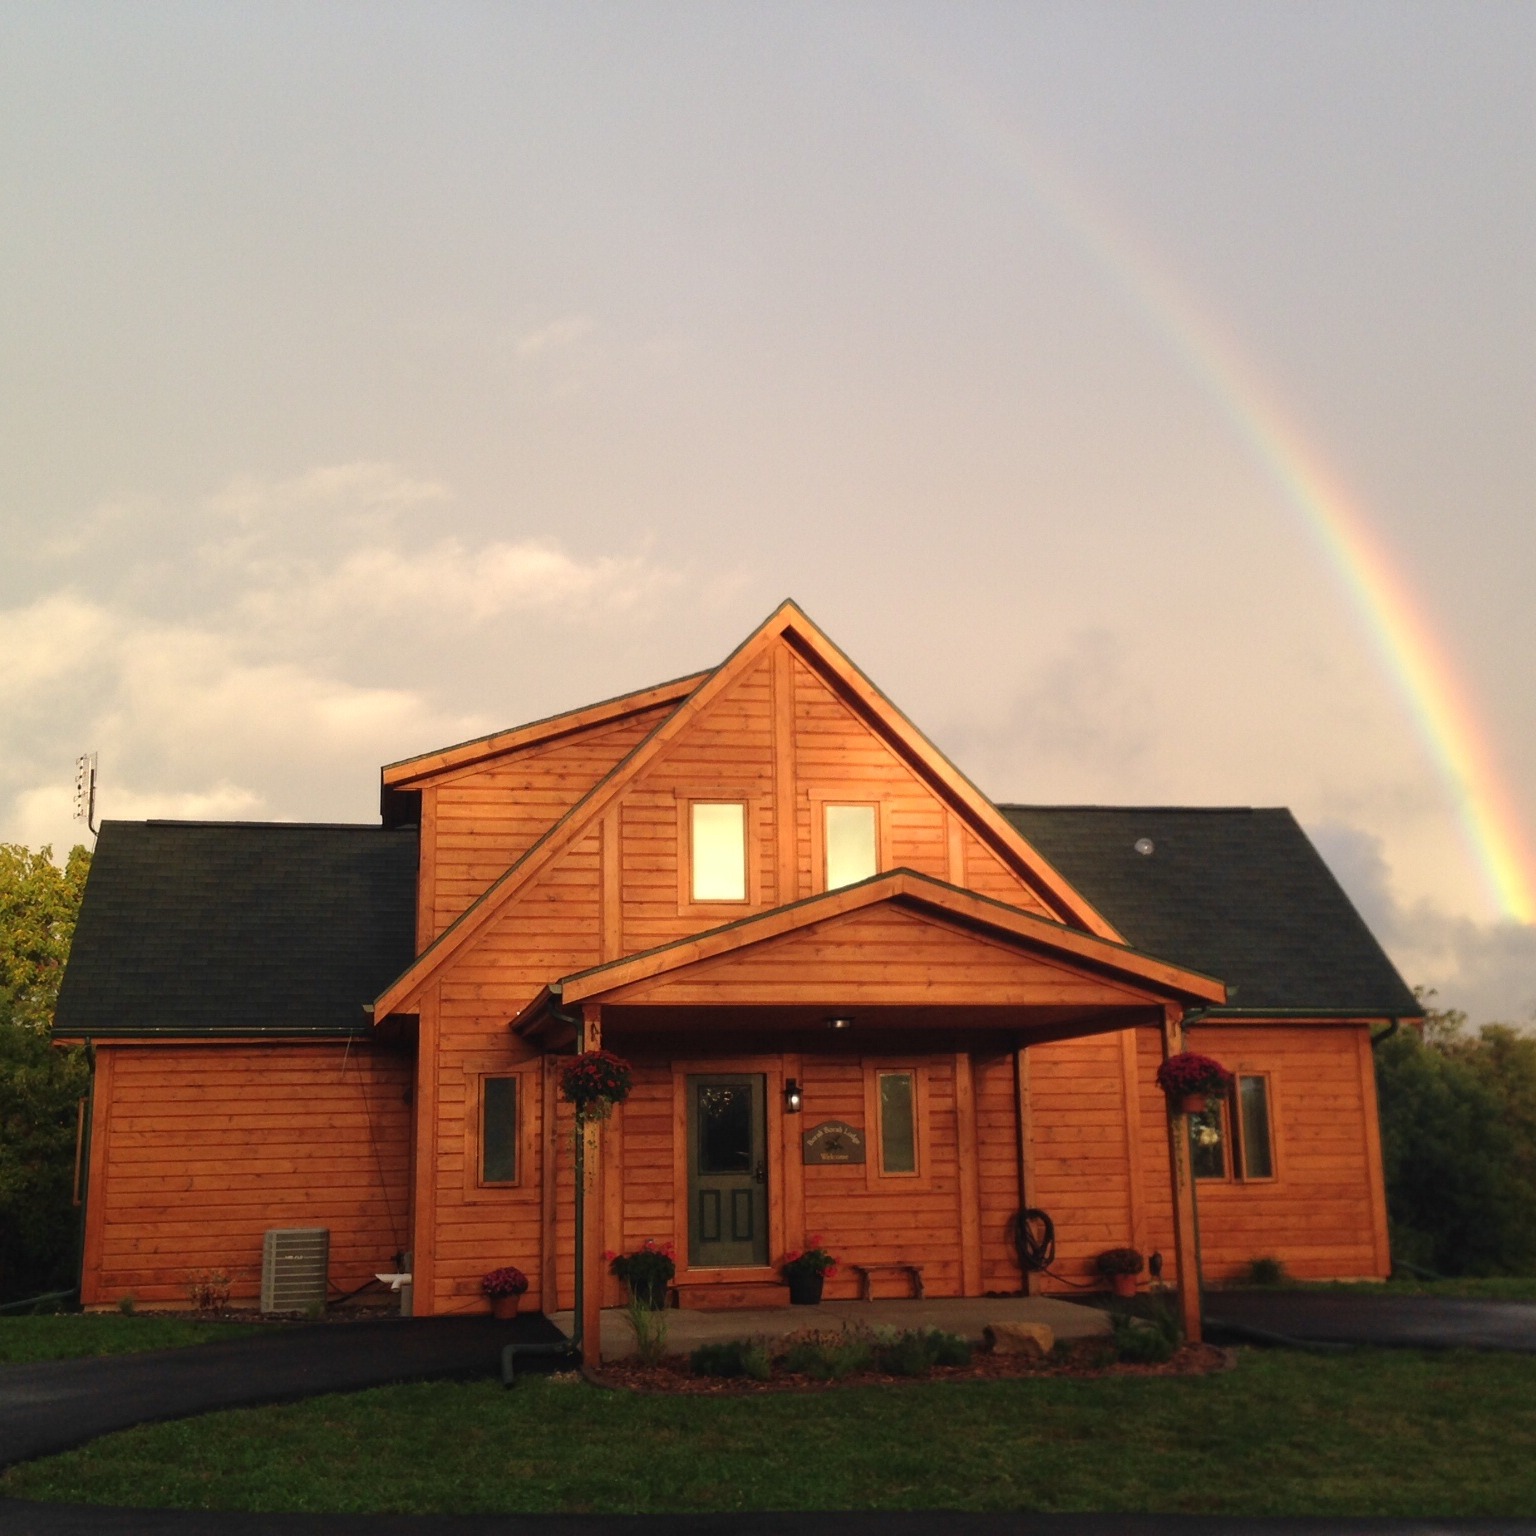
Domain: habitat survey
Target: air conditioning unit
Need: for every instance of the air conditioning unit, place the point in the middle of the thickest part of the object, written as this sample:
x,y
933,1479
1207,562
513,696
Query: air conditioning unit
x,y
295,1269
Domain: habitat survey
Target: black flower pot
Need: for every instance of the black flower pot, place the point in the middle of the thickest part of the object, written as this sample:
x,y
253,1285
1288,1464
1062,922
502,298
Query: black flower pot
x,y
650,1292
804,1289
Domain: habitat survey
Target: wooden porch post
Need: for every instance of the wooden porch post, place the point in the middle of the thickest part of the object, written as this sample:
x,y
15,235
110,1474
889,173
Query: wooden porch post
x,y
1185,1239
590,1237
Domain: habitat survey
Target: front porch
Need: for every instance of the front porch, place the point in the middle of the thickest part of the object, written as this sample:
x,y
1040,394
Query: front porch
x,y
964,1315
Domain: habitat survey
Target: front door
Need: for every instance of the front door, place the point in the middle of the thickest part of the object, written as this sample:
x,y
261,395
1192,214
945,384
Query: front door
x,y
727,1170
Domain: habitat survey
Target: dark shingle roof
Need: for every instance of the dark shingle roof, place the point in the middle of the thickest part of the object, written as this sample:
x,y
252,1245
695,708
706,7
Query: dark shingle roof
x,y
239,928
1240,894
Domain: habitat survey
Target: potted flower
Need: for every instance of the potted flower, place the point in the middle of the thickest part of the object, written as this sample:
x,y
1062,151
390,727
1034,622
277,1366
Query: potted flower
x,y
1120,1266
647,1271
594,1082
1190,1080
505,1289
805,1273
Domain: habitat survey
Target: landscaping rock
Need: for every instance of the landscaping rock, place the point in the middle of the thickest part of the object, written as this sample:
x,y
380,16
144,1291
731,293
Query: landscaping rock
x,y
1034,1339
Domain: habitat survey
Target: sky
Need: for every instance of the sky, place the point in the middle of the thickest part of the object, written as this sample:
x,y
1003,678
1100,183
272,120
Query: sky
x,y
1140,393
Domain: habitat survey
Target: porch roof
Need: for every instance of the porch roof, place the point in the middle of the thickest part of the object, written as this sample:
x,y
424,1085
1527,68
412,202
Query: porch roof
x,y
908,946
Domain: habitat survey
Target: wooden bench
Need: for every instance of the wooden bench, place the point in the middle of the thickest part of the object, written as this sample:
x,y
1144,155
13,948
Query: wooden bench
x,y
867,1273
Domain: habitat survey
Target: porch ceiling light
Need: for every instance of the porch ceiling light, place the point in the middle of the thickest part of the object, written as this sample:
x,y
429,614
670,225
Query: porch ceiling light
x,y
792,1097
839,1023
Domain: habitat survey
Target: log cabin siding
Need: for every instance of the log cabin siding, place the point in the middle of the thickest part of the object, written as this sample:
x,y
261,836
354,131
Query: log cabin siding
x,y
198,1149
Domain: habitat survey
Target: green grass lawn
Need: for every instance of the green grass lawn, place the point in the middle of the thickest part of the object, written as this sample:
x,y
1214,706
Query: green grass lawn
x,y
69,1335
1495,1288
1370,1433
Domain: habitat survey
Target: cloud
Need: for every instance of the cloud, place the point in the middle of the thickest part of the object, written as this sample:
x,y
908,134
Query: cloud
x,y
1080,719
1486,969
556,336
293,635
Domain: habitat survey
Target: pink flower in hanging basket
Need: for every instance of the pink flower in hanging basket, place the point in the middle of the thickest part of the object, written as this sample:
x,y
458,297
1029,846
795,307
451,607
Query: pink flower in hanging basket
x,y
1191,1075
594,1082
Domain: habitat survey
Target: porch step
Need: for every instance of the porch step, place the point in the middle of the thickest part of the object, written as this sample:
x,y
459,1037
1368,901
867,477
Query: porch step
x,y
714,1297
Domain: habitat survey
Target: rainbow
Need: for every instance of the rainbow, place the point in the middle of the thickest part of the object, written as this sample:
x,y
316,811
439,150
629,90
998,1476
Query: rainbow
x,y
1436,698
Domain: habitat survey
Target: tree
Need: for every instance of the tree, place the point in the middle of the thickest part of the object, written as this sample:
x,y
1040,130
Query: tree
x,y
40,1086
1458,1132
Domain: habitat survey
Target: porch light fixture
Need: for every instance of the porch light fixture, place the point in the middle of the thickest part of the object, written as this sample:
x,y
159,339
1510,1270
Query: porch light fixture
x,y
792,1097
839,1023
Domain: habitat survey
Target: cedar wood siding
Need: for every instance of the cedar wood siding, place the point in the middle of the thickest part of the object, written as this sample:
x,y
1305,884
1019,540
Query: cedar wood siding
x,y
197,1149
565,921
1322,1215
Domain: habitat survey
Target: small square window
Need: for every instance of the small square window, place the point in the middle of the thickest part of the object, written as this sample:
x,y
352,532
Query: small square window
x,y
852,844
718,850
498,1130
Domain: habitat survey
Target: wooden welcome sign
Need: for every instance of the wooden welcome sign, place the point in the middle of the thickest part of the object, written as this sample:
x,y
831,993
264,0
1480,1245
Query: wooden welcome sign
x,y
833,1141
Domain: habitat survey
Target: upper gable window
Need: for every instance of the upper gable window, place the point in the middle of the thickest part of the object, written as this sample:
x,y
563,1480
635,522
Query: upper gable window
x,y
717,850
851,840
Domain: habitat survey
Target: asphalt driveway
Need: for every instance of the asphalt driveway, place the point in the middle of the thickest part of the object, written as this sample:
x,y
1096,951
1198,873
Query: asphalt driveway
x,y
1366,1317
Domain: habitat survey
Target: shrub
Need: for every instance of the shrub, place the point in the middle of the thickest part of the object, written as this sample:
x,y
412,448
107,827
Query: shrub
x,y
732,1357
1266,1271
916,1351
828,1356
127,1304
1144,1341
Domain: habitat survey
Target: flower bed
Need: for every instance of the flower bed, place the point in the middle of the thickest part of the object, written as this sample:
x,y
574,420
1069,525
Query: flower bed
x,y
1084,1358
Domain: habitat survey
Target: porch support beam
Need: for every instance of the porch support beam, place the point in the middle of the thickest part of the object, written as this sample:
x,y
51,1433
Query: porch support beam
x,y
1186,1238
589,1252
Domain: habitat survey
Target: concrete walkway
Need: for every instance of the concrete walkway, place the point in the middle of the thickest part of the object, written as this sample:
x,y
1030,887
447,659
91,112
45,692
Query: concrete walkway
x,y
1371,1317
687,1329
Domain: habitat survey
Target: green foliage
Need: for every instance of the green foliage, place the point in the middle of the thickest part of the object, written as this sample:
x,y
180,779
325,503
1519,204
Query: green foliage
x,y
40,1087
75,1335
1458,1131
1266,1271
916,1351
649,1326
733,1357
1146,1340
828,1356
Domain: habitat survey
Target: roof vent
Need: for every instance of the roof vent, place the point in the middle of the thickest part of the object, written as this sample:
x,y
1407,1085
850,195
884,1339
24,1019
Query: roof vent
x,y
295,1264
1144,846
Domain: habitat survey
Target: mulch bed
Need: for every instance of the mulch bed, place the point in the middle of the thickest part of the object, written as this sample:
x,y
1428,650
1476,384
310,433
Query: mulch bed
x,y
1085,1360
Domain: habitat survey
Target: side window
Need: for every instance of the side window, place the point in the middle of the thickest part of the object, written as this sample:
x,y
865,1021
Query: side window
x,y
896,1099
850,843
717,850
498,1130
1255,1144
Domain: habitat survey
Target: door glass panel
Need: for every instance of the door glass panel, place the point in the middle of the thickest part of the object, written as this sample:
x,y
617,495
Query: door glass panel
x,y
1253,1104
851,844
898,1139
725,1129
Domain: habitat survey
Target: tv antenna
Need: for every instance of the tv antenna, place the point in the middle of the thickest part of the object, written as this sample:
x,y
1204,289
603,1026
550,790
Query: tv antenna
x,y
85,790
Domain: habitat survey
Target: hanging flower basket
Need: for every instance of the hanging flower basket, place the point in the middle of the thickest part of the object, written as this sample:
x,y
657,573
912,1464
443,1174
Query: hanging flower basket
x,y
1190,1080
594,1082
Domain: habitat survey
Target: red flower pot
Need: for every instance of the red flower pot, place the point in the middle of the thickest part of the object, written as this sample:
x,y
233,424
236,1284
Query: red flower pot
x,y
1193,1103
504,1307
1124,1285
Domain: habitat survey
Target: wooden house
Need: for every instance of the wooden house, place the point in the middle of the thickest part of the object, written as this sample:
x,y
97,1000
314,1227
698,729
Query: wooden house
x,y
802,925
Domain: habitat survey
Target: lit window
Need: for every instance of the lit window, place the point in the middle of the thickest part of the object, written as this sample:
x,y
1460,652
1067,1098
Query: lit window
x,y
1253,1128
851,844
898,1122
498,1130
718,838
